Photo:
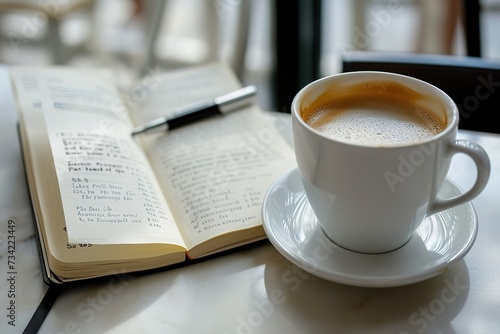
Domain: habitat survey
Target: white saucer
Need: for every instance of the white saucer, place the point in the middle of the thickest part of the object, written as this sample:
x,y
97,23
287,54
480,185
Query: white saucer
x,y
440,241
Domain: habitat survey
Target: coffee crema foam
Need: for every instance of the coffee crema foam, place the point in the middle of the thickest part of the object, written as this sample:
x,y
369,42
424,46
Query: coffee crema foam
x,y
378,113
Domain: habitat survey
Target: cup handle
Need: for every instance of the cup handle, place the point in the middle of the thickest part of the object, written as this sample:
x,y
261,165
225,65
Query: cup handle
x,y
482,161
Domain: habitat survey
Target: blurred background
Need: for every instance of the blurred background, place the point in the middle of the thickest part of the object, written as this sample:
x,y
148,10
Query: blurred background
x,y
253,36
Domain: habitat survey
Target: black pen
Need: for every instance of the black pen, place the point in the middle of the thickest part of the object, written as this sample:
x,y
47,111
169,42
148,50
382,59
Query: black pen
x,y
220,105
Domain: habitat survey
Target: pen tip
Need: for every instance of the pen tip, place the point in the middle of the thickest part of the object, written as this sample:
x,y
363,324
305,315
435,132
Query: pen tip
x,y
137,131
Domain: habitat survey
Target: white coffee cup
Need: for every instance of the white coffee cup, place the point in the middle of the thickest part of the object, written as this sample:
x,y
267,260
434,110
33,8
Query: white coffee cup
x,y
368,197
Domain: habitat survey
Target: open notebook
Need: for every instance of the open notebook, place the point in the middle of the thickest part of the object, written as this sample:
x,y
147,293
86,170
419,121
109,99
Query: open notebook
x,y
106,202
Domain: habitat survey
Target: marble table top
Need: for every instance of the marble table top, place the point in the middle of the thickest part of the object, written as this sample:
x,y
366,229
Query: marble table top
x,y
255,290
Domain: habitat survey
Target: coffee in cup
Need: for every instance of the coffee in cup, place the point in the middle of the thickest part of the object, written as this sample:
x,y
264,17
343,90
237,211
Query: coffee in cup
x,y
374,113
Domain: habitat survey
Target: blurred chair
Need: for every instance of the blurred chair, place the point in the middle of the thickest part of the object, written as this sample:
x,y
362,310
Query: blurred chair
x,y
41,24
298,36
472,82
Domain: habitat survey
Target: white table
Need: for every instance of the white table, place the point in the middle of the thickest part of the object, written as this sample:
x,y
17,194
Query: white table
x,y
252,291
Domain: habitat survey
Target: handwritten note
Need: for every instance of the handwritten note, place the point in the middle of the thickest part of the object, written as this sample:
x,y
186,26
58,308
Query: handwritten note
x,y
218,175
108,191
